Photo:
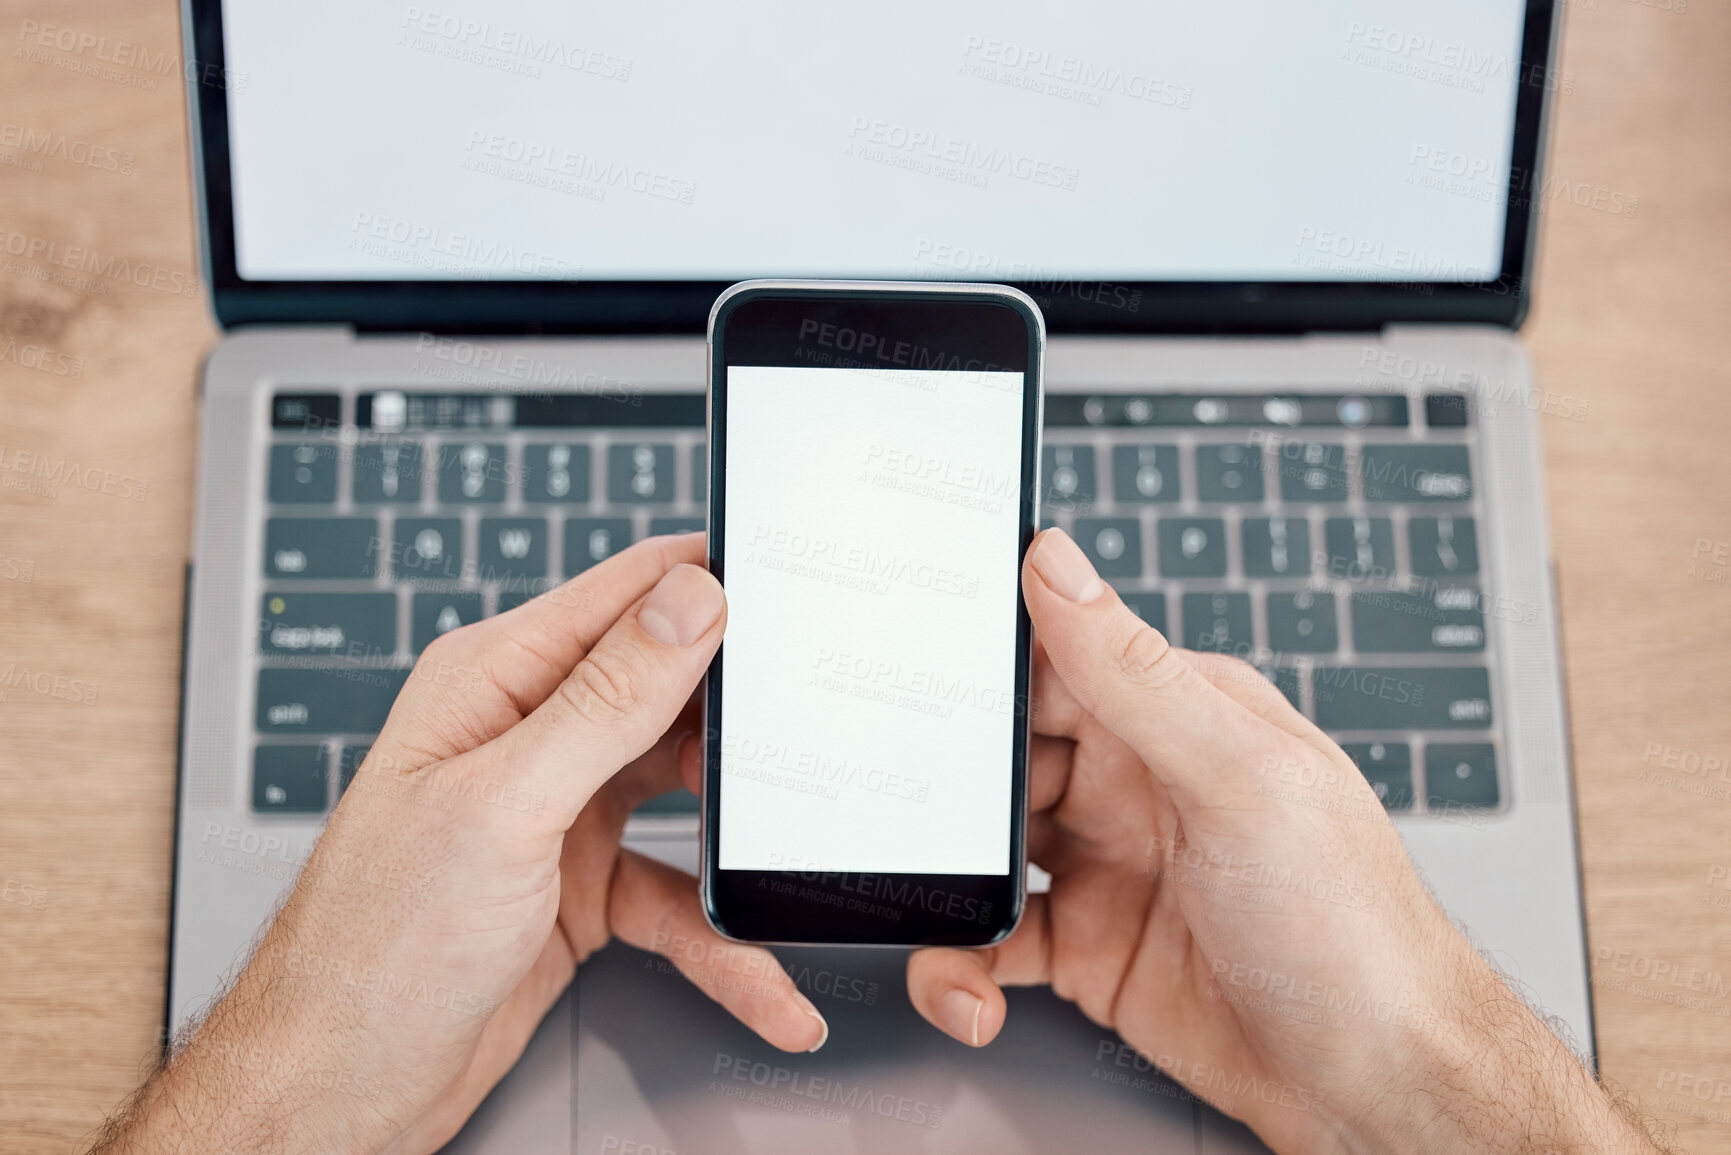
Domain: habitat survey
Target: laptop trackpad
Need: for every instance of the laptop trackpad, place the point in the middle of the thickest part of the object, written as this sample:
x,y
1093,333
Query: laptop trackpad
x,y
660,1068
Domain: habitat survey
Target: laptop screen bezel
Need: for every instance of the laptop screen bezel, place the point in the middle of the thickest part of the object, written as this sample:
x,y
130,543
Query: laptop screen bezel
x,y
647,307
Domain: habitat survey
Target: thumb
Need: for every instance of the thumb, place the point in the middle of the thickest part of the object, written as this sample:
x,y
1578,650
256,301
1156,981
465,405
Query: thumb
x,y
1124,673
621,697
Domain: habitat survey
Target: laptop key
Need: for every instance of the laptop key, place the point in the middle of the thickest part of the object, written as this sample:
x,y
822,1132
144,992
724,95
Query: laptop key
x,y
513,550
1145,473
1311,471
1359,548
1442,546
1068,472
1443,619
1387,766
640,473
1219,622
1417,473
427,549
1460,776
388,472
593,539
1302,623
289,780
1276,547
1113,544
1229,473
1445,410
1150,607
306,411
326,699
433,614
472,472
661,525
1192,547
357,626
321,547
556,473
303,471
1402,697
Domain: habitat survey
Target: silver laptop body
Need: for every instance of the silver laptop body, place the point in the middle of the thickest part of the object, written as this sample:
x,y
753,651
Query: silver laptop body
x,y
1358,509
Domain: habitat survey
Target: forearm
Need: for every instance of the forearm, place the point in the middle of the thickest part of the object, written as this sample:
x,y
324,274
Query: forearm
x,y
1497,1080
260,1076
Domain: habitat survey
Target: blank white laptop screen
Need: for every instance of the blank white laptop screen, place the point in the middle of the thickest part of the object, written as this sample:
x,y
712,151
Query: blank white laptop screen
x,y
1147,140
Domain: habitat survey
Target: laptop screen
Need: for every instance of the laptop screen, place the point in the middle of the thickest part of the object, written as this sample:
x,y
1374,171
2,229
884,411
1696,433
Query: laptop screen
x,y
1147,141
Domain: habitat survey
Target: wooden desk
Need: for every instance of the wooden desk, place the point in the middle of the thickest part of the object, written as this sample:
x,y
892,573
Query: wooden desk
x,y
1631,322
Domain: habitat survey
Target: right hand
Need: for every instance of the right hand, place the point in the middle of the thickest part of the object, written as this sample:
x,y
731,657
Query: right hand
x,y
1228,895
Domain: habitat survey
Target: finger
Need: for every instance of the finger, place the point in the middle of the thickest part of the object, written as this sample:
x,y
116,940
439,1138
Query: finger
x,y
559,627
1236,678
473,684
658,770
654,907
622,695
1125,674
691,763
961,991
1247,686
1055,710
1049,762
653,774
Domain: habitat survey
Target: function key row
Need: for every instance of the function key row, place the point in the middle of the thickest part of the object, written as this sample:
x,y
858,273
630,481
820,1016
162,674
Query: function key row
x,y
571,399
595,401
1175,410
1303,471
513,551
1351,548
399,471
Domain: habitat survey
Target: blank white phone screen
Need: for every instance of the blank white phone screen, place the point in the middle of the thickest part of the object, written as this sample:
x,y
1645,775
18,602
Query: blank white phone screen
x,y
871,555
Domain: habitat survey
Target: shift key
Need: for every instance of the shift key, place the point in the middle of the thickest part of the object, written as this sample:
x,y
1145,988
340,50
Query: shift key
x,y
1402,698
315,700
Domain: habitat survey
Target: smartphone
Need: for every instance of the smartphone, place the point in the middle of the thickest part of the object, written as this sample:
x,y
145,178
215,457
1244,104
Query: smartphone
x,y
873,487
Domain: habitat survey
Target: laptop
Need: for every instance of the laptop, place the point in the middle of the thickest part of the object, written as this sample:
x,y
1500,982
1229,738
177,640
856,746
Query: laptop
x,y
461,258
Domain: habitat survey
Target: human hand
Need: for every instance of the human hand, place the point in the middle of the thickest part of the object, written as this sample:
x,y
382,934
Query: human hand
x,y
1228,895
473,863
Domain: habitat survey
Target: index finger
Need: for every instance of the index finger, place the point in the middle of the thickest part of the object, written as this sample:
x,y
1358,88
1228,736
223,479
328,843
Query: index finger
x,y
558,628
476,682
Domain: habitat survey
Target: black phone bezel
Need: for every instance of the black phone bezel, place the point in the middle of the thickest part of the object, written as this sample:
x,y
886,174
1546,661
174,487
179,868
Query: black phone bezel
x,y
970,324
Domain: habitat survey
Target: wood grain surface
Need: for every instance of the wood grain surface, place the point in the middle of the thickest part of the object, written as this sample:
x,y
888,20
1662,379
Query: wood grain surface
x,y
1631,334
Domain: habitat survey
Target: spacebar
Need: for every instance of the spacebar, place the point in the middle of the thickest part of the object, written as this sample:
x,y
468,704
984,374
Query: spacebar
x,y
326,700
1402,697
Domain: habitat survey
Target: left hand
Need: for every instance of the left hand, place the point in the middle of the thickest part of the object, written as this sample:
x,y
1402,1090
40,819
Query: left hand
x,y
473,863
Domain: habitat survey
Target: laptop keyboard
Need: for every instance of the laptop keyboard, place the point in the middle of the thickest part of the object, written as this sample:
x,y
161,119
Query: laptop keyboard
x,y
1328,539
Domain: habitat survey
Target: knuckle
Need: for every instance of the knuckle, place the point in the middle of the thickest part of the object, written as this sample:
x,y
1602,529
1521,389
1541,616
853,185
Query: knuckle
x,y
1145,658
603,689
443,651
